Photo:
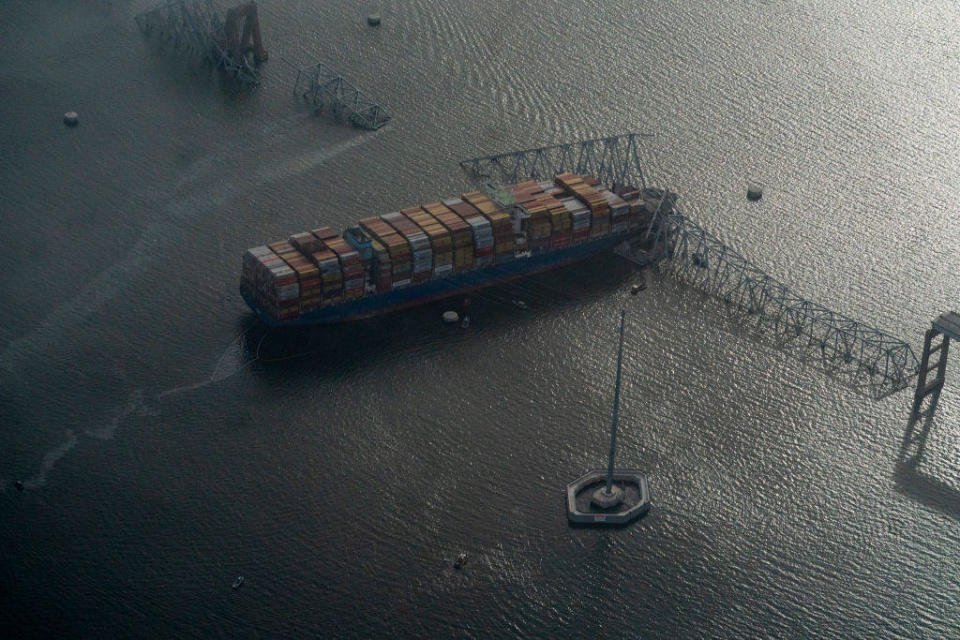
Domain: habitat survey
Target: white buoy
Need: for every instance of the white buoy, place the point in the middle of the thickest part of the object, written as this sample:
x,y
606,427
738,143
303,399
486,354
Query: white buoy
x,y
754,191
450,317
71,118
374,19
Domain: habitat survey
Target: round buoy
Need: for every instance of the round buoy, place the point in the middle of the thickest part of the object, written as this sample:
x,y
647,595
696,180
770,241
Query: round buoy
x,y
450,317
71,119
754,191
373,19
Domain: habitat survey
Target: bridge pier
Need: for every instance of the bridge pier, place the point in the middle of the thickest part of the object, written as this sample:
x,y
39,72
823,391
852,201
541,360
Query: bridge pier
x,y
927,396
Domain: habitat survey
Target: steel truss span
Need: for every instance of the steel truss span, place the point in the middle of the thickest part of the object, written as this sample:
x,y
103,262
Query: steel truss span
x,y
330,93
194,29
861,356
853,351
613,160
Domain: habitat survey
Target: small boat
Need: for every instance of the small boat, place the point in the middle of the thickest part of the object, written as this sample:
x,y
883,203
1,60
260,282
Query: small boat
x,y
520,304
466,322
461,560
238,582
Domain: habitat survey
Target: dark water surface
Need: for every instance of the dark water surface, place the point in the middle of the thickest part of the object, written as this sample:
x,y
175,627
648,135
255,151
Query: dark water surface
x,y
169,444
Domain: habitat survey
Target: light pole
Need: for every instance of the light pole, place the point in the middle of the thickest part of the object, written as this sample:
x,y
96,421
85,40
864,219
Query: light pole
x,y
610,495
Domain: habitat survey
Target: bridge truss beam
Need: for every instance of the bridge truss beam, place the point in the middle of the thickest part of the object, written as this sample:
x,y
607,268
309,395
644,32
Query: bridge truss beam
x,y
329,92
852,351
194,29
612,160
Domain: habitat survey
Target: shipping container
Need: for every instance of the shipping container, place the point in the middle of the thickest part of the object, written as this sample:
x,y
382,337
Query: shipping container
x,y
311,270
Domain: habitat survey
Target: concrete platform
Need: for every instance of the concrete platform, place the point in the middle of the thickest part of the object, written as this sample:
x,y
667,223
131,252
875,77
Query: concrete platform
x,y
635,503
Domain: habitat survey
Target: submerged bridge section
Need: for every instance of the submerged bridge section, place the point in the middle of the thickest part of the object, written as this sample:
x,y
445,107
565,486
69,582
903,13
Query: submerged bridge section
x,y
194,29
330,93
852,351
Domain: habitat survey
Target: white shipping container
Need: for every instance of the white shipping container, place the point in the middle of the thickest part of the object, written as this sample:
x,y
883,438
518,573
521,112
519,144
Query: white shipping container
x,y
442,270
400,284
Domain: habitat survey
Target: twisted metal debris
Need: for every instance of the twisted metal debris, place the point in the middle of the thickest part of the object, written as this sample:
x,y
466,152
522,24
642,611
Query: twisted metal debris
x,y
852,351
330,93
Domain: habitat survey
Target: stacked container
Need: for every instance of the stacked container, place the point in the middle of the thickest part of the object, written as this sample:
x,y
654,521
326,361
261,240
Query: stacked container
x,y
500,223
461,234
277,287
271,282
619,211
547,222
331,275
350,264
537,225
306,243
251,267
388,252
397,247
579,220
420,249
559,222
599,209
382,272
308,275
479,226
440,240
324,233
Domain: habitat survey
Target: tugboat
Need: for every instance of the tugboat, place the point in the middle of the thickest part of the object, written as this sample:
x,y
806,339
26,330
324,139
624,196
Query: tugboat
x,y
461,560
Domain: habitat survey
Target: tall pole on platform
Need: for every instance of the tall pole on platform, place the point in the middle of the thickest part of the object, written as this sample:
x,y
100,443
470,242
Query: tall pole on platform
x,y
616,405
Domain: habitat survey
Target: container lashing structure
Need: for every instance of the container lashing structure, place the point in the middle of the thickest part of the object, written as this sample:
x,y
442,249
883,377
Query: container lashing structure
x,y
330,93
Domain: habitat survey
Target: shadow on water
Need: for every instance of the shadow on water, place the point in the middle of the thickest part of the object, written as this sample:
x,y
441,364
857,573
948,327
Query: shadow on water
x,y
910,478
335,350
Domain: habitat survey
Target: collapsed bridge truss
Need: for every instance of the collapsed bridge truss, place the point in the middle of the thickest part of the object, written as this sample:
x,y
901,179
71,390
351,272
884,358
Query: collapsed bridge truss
x,y
852,351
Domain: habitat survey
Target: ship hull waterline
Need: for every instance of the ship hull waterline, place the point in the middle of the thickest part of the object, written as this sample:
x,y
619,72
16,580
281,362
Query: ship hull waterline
x,y
440,288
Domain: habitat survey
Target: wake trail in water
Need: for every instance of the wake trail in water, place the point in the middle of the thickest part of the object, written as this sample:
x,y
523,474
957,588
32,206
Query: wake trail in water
x,y
151,245
148,247
230,363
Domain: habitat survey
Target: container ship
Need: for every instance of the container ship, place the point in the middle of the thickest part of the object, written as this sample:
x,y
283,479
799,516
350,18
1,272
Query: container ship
x,y
444,248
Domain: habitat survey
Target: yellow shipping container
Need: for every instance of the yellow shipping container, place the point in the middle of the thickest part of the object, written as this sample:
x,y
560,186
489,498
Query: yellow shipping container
x,y
463,258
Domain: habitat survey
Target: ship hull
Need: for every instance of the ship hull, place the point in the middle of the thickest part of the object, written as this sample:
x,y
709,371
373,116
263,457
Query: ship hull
x,y
439,288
